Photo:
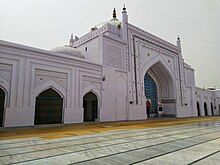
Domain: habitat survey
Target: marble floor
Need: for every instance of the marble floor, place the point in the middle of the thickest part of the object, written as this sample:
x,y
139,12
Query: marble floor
x,y
195,143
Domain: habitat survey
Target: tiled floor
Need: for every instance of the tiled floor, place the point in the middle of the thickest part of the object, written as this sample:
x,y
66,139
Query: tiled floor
x,y
195,143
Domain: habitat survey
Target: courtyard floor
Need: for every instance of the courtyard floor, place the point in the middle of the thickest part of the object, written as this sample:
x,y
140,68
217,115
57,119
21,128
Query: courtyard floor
x,y
156,141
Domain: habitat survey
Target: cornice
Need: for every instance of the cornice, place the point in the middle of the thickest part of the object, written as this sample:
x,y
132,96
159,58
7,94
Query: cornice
x,y
26,51
154,39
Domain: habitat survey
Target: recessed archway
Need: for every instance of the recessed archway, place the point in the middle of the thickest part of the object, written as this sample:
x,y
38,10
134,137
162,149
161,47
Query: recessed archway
x,y
48,108
198,108
2,105
90,105
212,109
162,89
205,109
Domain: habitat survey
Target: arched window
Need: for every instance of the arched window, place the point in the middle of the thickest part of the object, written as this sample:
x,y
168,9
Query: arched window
x,y
90,105
48,109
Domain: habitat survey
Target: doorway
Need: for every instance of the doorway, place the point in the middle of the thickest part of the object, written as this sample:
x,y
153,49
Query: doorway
x,y
2,105
48,109
198,109
205,109
90,105
212,109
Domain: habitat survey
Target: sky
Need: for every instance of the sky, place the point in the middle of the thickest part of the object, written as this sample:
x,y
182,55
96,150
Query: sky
x,y
47,24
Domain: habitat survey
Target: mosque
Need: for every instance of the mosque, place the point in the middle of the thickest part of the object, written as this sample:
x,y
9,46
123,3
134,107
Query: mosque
x,y
115,72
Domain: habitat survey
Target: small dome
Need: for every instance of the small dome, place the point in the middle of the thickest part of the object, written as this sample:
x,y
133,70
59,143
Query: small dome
x,y
68,50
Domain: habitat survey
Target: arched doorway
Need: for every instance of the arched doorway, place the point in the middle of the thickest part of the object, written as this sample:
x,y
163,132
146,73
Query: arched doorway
x,y
198,109
205,109
212,109
48,109
159,89
90,105
2,105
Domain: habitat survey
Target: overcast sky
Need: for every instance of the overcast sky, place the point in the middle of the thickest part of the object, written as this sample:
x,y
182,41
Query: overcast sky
x,y
48,23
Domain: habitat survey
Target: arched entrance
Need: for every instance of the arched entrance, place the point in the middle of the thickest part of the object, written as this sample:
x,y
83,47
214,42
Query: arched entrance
x,y
198,109
205,109
48,109
212,109
2,105
159,89
90,105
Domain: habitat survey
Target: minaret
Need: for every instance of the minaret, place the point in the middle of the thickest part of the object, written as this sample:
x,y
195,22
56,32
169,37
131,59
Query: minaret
x,y
124,23
178,42
181,73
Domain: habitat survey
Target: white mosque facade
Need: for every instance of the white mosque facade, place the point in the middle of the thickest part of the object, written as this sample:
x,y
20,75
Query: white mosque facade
x,y
116,72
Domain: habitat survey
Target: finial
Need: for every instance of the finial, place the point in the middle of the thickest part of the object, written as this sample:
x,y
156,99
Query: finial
x,y
178,38
71,41
124,8
114,13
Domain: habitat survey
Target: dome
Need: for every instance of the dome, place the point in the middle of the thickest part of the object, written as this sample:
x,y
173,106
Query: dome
x,y
68,50
114,21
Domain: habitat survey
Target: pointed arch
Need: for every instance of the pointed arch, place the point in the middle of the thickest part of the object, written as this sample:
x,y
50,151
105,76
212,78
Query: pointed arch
x,y
90,105
5,86
160,60
164,78
48,107
47,85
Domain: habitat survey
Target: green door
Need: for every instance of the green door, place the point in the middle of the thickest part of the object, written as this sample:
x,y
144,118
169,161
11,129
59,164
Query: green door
x,y
2,102
48,109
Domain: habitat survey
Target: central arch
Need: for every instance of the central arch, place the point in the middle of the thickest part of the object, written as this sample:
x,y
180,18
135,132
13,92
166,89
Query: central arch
x,y
90,105
2,105
48,109
162,81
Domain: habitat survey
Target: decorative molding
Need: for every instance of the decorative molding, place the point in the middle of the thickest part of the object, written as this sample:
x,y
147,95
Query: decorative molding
x,y
155,40
42,76
114,56
6,71
95,82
